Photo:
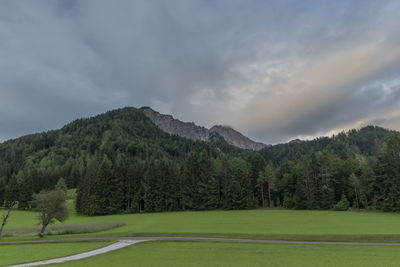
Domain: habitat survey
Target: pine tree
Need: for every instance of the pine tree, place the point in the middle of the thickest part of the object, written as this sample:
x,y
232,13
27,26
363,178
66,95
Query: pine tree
x,y
120,182
256,164
387,175
25,184
237,188
134,186
208,183
103,189
154,186
190,195
85,200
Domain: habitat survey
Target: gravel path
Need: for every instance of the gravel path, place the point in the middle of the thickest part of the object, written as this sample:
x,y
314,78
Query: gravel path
x,y
115,246
127,241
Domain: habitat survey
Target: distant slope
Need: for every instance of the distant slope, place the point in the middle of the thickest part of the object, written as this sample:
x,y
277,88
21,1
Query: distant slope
x,y
366,141
190,130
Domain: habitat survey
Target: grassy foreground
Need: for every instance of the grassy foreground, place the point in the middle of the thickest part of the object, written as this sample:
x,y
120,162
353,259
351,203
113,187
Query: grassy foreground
x,y
233,254
13,254
273,224
261,224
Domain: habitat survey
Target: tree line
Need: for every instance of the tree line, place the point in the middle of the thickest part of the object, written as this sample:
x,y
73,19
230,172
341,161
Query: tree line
x,y
319,180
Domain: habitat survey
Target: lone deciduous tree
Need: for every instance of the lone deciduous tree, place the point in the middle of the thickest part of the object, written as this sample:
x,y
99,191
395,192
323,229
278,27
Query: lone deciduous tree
x,y
11,196
51,207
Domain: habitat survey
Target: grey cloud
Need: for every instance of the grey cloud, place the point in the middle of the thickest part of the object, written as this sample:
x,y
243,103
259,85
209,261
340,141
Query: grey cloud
x,y
204,61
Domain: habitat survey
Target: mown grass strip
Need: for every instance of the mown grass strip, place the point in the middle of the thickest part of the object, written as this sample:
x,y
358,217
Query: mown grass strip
x,y
61,229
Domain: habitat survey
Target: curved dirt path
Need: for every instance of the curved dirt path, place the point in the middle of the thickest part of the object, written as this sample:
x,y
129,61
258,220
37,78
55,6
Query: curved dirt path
x,y
127,241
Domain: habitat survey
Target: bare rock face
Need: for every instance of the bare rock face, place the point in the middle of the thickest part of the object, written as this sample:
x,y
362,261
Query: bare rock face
x,y
168,124
173,126
237,139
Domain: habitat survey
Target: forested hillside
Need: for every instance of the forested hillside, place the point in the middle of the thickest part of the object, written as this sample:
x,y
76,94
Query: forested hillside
x,y
37,161
367,141
121,162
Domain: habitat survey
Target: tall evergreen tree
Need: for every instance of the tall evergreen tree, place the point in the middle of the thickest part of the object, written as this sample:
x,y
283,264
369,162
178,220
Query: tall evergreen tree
x,y
85,200
208,183
256,164
237,193
103,189
387,173
190,195
121,184
151,185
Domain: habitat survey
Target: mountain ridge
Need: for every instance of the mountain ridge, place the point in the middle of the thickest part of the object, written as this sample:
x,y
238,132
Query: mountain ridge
x,y
192,131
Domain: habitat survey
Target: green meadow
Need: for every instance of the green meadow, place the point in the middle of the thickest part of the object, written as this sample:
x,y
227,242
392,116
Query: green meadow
x,y
254,224
259,224
244,254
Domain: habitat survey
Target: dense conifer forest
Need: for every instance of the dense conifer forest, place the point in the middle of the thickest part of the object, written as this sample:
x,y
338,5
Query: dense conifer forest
x,y
120,161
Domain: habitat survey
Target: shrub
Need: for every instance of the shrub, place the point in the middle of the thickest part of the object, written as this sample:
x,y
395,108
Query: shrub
x,y
343,204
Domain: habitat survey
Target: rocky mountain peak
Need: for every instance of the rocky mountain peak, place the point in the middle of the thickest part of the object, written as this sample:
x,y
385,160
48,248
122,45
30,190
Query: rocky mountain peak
x,y
192,131
237,139
173,126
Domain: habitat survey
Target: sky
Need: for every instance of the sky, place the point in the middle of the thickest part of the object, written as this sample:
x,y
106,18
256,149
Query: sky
x,y
273,70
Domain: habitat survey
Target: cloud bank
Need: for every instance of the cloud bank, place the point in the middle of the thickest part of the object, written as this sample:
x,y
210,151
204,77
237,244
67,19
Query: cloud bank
x,y
274,70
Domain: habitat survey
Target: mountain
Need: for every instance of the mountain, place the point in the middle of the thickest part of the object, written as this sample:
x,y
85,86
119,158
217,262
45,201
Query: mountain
x,y
237,139
366,141
192,131
45,157
168,124
120,161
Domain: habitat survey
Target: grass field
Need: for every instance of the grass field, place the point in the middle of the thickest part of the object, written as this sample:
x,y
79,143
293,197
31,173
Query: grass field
x,y
233,254
12,254
254,224
274,224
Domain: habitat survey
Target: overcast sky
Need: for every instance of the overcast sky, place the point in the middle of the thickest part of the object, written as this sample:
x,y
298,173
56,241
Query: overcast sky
x,y
274,70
